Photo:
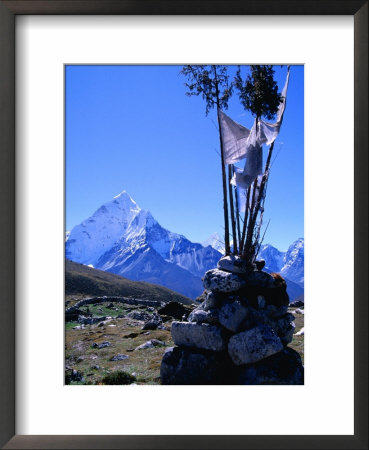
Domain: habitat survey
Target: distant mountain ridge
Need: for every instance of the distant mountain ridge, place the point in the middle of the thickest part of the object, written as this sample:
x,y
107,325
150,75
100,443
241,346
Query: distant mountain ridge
x,y
122,238
126,240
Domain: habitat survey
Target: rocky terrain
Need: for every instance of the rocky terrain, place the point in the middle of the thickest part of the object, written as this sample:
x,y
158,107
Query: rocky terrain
x,y
122,341
109,336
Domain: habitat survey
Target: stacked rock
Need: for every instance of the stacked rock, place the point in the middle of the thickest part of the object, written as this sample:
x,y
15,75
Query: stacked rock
x,y
238,334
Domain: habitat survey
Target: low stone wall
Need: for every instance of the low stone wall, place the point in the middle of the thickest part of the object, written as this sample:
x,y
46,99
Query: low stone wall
x,y
129,301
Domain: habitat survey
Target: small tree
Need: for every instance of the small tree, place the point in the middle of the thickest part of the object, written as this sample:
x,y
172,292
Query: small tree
x,y
212,83
258,94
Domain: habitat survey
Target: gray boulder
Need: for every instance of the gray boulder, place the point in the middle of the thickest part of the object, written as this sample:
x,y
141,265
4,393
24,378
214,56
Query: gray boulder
x,y
260,279
101,344
253,345
275,311
76,375
284,367
257,317
232,263
198,316
192,366
73,375
219,281
119,357
202,315
90,320
139,315
231,315
287,336
150,344
204,336
284,327
213,300
154,323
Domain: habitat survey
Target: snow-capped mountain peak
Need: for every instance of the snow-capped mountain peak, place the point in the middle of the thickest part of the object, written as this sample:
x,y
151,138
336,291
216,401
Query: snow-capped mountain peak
x,y
123,193
95,235
124,239
215,241
125,199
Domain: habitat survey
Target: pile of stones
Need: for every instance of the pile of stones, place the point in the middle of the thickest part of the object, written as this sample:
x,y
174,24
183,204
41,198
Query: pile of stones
x,y
238,335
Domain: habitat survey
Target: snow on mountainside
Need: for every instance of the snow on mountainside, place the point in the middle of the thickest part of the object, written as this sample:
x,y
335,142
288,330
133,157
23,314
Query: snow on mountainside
x,y
214,241
97,234
293,260
145,264
290,264
123,239
272,256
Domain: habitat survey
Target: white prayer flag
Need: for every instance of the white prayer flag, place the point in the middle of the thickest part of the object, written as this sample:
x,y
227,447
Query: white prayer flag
x,y
234,137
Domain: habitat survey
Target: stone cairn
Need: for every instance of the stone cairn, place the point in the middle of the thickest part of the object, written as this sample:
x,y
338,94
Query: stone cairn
x,y
238,335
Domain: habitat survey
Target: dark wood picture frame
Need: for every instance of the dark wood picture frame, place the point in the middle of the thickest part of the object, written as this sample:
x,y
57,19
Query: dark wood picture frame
x,y
8,11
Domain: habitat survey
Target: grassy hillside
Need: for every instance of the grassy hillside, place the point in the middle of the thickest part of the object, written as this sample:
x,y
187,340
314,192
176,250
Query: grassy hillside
x,y
83,280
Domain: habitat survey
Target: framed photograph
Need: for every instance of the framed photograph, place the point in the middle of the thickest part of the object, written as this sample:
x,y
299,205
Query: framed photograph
x,y
163,225
95,119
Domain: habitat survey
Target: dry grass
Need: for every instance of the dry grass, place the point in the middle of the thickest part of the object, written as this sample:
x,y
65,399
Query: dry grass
x,y
143,364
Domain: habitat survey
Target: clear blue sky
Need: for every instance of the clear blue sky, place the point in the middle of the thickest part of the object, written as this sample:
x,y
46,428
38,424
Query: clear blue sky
x,y
133,128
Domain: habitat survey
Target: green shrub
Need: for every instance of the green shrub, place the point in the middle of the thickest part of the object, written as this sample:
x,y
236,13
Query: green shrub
x,y
119,377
